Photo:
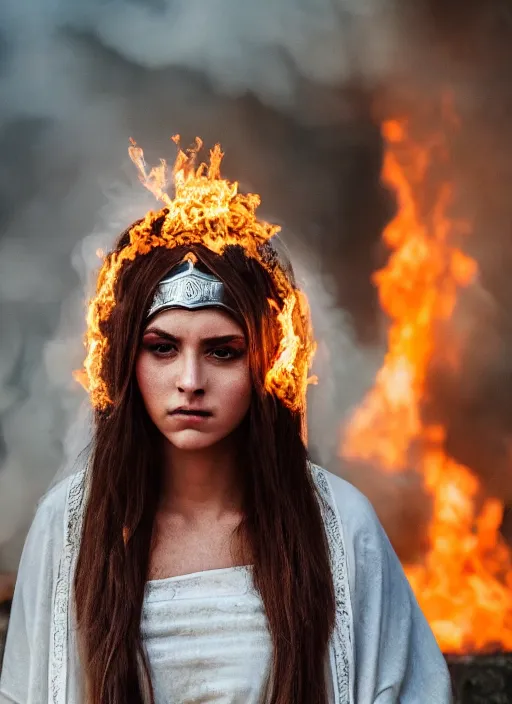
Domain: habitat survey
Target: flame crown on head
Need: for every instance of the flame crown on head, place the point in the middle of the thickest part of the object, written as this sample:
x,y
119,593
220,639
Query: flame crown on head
x,y
207,210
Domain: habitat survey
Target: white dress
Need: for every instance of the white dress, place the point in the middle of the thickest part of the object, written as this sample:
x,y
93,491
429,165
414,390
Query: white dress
x,y
382,650
206,637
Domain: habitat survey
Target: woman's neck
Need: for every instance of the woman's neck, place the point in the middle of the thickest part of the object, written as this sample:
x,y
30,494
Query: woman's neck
x,y
200,484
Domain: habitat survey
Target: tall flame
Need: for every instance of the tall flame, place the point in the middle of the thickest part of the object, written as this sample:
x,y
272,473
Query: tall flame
x,y
464,583
206,209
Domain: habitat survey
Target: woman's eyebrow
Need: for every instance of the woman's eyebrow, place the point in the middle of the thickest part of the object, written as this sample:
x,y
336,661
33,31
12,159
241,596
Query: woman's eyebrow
x,y
223,339
161,333
216,340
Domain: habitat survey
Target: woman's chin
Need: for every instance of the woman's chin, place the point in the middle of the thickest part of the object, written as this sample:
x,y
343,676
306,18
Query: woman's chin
x,y
191,440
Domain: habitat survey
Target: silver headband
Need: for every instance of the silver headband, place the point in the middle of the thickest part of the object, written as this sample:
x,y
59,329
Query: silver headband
x,y
185,286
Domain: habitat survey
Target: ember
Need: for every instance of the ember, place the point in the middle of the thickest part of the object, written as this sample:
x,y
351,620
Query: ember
x,y
464,581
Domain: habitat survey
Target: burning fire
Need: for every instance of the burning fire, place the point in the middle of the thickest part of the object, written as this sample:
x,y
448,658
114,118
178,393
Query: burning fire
x,y
295,316
464,583
208,210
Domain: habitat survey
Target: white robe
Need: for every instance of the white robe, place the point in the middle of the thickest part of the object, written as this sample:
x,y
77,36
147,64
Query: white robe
x,y
382,650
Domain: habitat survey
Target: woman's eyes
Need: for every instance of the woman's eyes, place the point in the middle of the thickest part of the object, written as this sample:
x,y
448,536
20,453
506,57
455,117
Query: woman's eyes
x,y
167,349
162,348
226,353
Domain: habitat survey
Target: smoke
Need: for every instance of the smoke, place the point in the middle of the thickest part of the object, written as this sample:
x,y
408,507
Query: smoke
x,y
260,47
288,88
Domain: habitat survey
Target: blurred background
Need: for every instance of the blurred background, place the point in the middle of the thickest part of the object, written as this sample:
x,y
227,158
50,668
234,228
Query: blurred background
x,y
378,133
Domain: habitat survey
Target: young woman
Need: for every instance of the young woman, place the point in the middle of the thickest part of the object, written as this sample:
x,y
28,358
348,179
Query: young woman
x,y
200,557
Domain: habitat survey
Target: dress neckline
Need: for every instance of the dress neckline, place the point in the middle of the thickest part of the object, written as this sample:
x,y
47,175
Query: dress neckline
x,y
216,583
193,575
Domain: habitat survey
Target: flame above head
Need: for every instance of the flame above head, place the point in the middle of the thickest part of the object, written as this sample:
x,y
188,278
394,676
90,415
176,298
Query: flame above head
x,y
464,582
206,209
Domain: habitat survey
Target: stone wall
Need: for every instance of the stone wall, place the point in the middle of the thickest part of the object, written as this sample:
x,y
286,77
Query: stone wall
x,y
481,679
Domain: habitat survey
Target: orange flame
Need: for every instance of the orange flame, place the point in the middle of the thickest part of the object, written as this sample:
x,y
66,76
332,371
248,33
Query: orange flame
x,y
464,584
282,379
207,210
80,376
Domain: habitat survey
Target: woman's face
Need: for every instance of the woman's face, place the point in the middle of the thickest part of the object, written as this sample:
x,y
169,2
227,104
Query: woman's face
x,y
194,376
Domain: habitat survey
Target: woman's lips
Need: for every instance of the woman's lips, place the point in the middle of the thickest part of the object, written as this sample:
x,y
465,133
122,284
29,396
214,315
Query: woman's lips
x,y
191,414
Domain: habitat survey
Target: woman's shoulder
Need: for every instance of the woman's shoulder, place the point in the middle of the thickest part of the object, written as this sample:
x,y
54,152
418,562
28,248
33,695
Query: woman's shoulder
x,y
53,502
352,507
34,603
53,507
350,518
47,537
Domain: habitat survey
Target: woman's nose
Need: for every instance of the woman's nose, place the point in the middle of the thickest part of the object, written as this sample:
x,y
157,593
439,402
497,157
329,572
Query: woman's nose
x,y
189,379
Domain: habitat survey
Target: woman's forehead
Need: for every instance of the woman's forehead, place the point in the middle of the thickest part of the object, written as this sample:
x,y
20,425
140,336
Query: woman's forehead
x,y
202,322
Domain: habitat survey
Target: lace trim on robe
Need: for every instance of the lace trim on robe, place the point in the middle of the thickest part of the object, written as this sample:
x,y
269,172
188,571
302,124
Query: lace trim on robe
x,y
59,655
341,637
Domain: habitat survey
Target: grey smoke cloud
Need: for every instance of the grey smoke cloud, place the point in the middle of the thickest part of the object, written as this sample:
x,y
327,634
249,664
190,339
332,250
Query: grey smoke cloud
x,y
262,47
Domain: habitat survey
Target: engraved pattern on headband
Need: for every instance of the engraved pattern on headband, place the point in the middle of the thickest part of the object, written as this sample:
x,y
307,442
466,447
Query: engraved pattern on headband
x,y
188,288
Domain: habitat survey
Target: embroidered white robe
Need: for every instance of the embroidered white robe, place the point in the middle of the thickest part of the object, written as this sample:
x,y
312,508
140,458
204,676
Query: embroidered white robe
x,y
382,650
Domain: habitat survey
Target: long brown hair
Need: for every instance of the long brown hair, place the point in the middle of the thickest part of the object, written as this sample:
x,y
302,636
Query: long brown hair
x,y
282,520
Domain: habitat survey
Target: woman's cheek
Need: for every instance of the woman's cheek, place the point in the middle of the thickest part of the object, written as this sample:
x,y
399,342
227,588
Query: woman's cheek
x,y
238,392
152,382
